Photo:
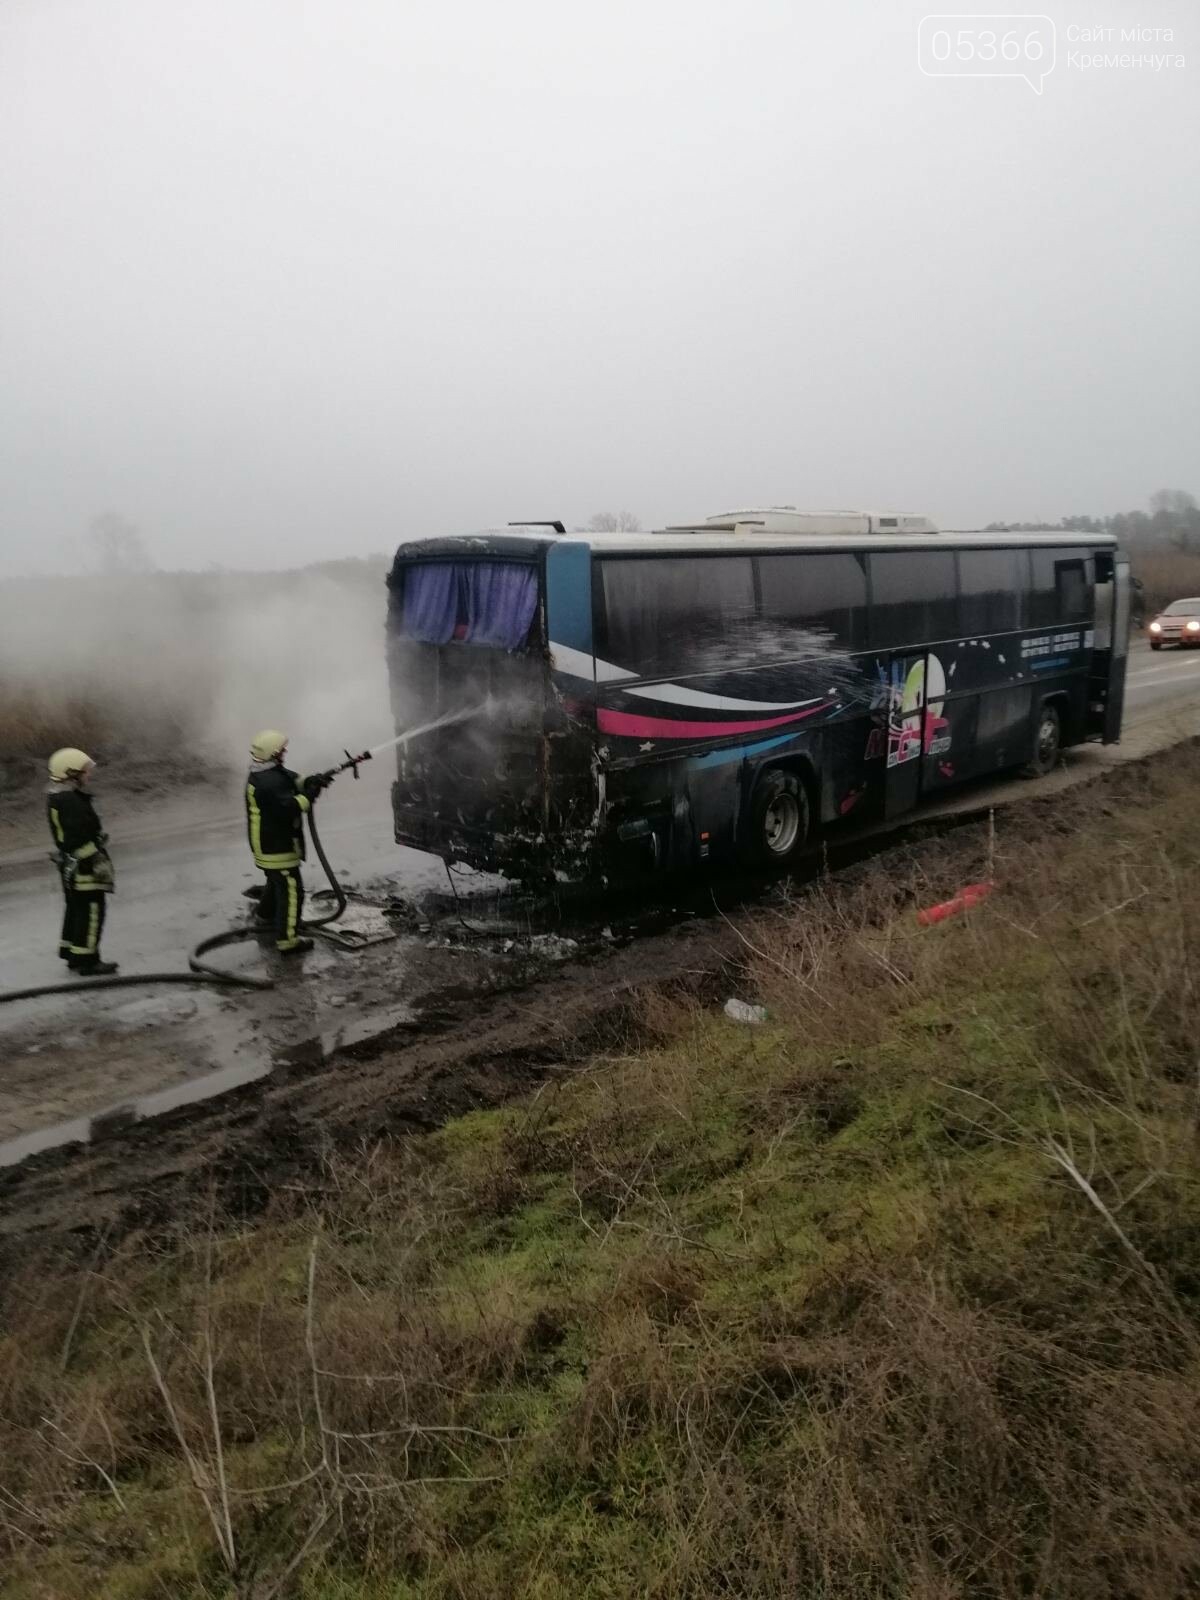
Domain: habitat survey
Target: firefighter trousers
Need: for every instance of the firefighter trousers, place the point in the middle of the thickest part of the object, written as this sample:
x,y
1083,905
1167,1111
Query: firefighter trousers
x,y
281,905
83,923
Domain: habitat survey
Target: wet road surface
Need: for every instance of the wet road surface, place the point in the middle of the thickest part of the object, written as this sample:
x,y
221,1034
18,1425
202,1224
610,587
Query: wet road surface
x,y
132,1052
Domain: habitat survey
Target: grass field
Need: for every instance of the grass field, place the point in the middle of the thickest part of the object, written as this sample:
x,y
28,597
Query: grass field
x,y
893,1297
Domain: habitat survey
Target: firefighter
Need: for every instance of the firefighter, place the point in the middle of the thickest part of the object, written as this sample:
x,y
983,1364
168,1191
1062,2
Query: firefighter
x,y
276,800
83,862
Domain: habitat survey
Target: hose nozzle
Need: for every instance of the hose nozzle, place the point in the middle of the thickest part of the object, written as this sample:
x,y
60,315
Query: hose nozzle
x,y
352,763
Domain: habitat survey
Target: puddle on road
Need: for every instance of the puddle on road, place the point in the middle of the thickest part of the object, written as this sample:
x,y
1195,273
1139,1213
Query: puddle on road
x,y
344,1001
119,1118
32,1144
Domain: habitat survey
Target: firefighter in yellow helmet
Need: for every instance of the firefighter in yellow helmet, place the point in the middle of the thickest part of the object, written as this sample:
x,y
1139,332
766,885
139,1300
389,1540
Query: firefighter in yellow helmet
x,y
276,801
84,865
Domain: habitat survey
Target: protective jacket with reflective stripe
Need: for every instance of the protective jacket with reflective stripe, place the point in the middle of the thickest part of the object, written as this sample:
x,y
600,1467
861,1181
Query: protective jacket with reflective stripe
x,y
275,816
76,831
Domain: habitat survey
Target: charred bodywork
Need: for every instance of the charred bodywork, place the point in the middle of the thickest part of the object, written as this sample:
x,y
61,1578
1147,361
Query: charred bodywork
x,y
670,695
507,781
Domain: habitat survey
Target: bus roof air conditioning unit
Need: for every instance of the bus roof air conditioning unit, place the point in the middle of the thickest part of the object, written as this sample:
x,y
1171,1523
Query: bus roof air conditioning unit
x,y
788,519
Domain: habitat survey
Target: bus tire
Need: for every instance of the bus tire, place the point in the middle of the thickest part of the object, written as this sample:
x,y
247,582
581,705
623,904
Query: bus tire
x,y
1047,743
778,822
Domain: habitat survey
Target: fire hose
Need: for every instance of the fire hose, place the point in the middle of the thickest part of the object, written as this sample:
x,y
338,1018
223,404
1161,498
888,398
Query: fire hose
x,y
200,971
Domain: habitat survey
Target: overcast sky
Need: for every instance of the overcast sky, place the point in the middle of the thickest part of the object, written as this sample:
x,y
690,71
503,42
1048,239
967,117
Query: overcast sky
x,y
283,279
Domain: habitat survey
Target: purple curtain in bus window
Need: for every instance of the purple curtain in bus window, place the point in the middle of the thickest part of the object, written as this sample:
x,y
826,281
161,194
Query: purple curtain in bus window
x,y
501,600
431,601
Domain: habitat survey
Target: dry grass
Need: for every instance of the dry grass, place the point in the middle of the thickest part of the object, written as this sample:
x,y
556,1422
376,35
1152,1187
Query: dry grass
x,y
891,1298
1167,575
35,721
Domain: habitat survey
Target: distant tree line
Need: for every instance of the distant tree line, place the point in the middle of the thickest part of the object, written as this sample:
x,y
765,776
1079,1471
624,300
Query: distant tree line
x,y
1172,523
613,522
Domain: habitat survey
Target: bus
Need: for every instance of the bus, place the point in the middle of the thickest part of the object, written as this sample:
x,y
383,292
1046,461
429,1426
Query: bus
x,y
724,691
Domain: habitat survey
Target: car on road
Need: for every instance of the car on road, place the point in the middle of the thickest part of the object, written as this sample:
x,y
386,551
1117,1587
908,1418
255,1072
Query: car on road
x,y
1178,624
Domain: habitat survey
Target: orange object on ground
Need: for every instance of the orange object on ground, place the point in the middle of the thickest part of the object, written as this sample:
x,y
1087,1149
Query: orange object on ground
x,y
967,897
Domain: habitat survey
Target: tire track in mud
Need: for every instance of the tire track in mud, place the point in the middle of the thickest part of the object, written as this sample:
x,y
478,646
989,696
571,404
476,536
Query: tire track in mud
x,y
467,1050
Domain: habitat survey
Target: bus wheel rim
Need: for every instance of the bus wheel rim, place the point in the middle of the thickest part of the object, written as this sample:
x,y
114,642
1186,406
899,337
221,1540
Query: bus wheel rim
x,y
1047,738
781,824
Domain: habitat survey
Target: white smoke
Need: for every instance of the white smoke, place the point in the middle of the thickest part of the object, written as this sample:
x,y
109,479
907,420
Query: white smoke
x,y
191,665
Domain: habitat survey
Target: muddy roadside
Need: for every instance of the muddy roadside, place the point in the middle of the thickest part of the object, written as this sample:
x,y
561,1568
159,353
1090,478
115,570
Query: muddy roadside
x,y
463,1050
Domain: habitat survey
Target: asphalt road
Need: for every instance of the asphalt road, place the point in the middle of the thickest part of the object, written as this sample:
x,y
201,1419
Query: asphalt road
x,y
70,1058
1156,676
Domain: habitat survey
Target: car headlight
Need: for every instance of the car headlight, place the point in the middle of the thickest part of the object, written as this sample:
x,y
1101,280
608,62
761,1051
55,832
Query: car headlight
x,y
1156,627
1193,626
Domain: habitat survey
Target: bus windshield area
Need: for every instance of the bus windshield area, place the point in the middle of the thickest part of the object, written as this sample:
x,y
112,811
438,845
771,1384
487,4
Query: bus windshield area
x,y
490,603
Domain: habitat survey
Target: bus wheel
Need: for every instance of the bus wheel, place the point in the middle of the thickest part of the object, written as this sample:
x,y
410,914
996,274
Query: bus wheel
x,y
1046,745
777,827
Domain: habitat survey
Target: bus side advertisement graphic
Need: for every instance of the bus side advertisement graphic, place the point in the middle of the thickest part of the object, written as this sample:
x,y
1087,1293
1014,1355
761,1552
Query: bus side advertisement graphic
x,y
916,702
913,692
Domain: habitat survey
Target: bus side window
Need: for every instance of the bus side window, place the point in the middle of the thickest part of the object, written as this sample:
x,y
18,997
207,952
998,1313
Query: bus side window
x,y
992,585
659,615
820,598
1060,588
914,598
1071,587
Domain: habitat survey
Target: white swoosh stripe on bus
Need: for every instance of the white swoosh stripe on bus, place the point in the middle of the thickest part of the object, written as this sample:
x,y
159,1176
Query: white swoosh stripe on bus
x,y
675,694
581,665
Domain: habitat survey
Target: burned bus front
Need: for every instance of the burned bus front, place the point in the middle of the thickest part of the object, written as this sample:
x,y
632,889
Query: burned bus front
x,y
487,754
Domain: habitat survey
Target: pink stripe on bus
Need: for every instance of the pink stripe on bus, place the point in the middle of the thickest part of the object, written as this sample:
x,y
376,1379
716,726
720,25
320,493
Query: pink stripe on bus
x,y
635,727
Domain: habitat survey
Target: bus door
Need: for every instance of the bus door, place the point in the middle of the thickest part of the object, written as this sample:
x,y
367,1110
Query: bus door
x,y
907,731
1110,648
